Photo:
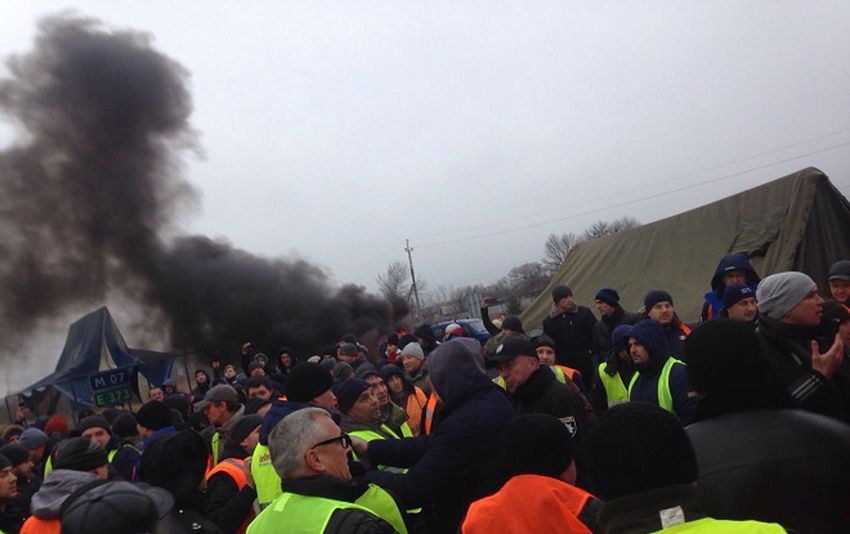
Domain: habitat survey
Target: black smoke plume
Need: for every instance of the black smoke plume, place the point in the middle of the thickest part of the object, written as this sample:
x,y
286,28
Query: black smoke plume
x,y
88,195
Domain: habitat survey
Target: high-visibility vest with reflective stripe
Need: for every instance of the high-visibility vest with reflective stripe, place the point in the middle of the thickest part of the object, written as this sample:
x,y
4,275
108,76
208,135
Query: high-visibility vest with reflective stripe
x,y
231,467
723,526
292,513
266,479
430,407
615,390
370,435
665,398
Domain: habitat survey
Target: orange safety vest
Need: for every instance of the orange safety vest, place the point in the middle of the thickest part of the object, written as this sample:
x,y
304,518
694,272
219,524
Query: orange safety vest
x,y
36,525
685,329
430,408
416,401
548,505
570,372
231,467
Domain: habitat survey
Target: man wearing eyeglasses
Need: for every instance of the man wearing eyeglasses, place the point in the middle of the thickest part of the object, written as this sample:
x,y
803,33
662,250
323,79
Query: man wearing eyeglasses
x,y
310,453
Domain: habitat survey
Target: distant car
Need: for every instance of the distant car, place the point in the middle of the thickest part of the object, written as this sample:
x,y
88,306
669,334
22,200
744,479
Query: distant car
x,y
474,328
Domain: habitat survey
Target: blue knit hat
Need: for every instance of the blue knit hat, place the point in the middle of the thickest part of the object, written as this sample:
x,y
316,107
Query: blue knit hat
x,y
608,295
736,293
654,297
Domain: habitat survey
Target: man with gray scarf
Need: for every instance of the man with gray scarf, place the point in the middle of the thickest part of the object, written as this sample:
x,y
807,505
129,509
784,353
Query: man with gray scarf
x,y
798,359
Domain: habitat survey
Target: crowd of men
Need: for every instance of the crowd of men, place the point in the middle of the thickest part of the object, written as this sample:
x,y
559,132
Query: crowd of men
x,y
633,422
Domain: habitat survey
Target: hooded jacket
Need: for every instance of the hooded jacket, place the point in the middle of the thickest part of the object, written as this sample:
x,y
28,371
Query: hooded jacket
x,y
645,386
450,468
47,502
713,299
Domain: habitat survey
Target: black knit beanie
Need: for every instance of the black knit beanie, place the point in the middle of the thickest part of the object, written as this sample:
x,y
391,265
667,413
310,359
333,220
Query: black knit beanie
x,y
560,292
4,462
637,447
654,297
78,454
94,421
537,444
307,381
15,453
125,426
154,415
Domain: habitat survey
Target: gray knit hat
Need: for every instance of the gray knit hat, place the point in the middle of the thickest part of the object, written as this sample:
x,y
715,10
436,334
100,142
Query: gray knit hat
x,y
413,349
780,293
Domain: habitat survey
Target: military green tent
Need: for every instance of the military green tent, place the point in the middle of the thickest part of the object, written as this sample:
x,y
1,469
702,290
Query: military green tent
x,y
800,222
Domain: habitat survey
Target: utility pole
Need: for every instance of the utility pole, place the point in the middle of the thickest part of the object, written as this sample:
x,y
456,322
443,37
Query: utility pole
x,y
413,276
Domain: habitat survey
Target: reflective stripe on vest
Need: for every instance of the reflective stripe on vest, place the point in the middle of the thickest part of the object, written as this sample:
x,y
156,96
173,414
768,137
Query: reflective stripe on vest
x,y
231,466
429,413
266,479
615,390
216,439
291,512
665,398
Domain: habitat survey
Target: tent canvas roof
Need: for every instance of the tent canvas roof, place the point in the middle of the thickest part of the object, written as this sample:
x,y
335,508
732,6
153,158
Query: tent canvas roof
x,y
94,344
799,222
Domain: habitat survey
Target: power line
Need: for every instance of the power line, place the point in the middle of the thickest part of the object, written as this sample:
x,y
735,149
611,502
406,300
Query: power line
x,y
631,201
661,182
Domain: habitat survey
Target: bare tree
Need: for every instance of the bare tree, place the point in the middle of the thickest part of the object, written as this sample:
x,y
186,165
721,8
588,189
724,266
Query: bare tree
x,y
556,250
603,228
528,278
394,283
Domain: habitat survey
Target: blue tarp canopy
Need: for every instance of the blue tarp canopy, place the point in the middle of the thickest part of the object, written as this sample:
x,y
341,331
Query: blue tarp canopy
x,y
95,344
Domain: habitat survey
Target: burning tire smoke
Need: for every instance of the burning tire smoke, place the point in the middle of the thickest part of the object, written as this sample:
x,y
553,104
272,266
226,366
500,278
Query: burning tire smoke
x,y
88,195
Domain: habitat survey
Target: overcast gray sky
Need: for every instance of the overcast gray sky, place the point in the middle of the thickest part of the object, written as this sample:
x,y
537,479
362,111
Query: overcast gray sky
x,y
335,130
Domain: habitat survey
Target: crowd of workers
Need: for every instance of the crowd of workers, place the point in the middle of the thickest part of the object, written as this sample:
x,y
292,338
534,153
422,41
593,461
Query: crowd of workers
x,y
633,422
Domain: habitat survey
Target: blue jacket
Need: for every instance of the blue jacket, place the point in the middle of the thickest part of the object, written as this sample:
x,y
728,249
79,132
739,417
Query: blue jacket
x,y
713,299
650,334
455,465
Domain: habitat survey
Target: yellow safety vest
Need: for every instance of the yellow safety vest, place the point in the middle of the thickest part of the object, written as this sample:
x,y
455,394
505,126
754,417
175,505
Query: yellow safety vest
x,y
723,526
665,398
615,389
266,479
292,513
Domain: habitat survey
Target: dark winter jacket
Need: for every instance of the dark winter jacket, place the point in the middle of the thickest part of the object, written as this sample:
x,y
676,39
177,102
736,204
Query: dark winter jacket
x,y
542,393
713,299
605,327
572,332
675,334
788,357
787,466
451,467
126,459
640,512
650,334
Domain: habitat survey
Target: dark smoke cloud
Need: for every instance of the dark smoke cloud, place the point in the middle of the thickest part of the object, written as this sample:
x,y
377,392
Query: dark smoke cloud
x,y
87,198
